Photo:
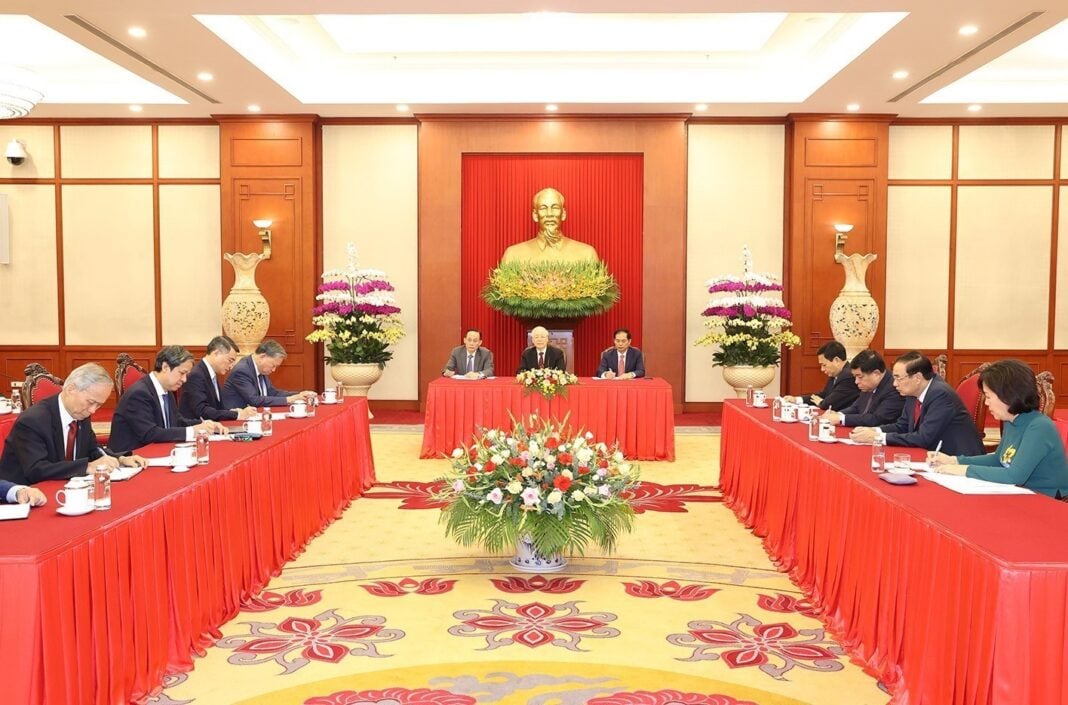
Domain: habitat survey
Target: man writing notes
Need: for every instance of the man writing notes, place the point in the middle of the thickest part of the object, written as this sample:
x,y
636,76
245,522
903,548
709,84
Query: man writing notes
x,y
201,398
840,390
933,413
249,383
54,439
621,361
878,403
470,360
148,412
541,354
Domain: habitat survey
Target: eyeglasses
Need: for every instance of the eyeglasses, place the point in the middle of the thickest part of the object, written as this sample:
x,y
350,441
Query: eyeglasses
x,y
901,378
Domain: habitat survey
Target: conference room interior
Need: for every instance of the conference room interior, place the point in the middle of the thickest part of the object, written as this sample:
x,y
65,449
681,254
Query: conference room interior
x,y
936,132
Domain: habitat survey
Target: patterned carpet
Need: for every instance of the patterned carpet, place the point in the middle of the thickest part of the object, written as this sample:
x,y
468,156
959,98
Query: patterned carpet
x,y
382,609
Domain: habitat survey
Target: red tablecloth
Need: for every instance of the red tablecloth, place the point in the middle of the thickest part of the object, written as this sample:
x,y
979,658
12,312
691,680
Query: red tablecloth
x,y
97,609
639,414
946,598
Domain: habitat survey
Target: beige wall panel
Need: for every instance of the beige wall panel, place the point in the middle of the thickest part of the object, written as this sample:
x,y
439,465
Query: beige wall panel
x,y
1003,241
917,250
39,143
106,151
109,281
1064,153
921,151
735,198
188,151
30,311
190,264
1006,152
1060,339
370,197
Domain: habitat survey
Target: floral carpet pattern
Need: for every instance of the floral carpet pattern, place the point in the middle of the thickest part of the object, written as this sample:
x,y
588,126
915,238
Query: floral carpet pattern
x,y
382,610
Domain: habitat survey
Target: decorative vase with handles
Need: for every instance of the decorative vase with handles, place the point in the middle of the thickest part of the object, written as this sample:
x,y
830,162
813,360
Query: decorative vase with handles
x,y
357,377
854,314
529,560
245,313
742,377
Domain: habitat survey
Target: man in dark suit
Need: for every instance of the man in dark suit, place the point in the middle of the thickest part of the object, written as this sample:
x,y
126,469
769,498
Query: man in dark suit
x,y
249,383
54,439
840,390
878,403
621,361
201,398
470,360
933,413
20,494
148,413
541,354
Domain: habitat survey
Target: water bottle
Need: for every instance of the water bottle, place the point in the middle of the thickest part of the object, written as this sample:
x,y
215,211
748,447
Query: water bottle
x,y
16,403
203,449
313,405
776,409
340,392
101,487
813,428
878,456
749,395
268,423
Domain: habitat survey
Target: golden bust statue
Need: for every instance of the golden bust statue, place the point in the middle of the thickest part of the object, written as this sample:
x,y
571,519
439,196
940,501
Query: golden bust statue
x,y
550,244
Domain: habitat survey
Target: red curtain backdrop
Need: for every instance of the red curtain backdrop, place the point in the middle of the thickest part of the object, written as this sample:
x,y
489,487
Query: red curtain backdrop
x,y
603,198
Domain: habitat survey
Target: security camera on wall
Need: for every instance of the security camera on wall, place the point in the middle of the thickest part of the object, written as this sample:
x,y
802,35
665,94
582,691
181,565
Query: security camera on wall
x,y
15,152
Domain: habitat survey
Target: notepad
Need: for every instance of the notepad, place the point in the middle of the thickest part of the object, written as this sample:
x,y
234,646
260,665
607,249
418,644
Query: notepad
x,y
14,511
124,473
971,485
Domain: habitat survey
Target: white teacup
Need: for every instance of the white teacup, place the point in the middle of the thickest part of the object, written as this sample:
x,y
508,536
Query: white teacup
x,y
827,431
789,413
760,397
184,455
75,494
330,396
804,413
253,426
298,409
5,406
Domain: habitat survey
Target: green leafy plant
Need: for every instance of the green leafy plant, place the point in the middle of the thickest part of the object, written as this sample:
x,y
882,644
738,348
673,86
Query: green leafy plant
x,y
551,289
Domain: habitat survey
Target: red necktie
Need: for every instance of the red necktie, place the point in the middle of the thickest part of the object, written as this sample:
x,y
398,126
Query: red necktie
x,y
622,370
541,360
72,431
916,413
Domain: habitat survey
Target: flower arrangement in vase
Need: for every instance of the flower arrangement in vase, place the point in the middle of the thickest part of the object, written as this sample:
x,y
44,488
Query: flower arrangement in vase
x,y
546,381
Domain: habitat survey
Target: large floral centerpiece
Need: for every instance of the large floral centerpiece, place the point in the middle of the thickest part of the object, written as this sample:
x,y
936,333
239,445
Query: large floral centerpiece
x,y
747,318
540,484
536,290
546,381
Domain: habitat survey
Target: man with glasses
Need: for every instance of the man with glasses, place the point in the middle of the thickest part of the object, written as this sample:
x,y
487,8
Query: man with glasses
x,y
201,395
840,390
878,403
54,439
933,414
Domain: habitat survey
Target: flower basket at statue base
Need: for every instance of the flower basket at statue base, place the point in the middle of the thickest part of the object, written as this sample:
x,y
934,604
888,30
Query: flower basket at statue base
x,y
357,377
742,377
529,560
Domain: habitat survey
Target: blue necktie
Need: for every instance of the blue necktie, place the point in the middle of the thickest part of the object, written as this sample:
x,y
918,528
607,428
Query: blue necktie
x,y
166,412
263,385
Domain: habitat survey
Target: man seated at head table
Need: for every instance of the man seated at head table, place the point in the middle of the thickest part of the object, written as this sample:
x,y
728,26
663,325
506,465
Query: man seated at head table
x,y
470,360
1031,452
148,413
249,383
10,493
621,361
541,354
878,403
201,396
840,390
933,414
54,438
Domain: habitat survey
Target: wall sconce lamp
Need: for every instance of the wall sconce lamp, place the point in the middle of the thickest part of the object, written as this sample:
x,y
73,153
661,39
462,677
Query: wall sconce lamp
x,y
15,153
264,226
841,231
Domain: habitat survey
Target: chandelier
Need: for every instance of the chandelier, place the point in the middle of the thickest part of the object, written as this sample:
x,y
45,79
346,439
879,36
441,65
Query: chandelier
x,y
19,92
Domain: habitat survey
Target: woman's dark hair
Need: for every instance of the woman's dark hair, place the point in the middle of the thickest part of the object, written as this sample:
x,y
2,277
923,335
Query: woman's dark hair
x,y
1014,383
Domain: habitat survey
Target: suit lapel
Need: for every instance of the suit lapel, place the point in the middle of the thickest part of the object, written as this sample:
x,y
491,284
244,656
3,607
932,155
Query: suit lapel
x,y
58,432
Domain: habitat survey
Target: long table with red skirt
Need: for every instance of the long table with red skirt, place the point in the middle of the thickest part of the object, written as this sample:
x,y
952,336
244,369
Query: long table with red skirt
x,y
946,598
638,413
97,609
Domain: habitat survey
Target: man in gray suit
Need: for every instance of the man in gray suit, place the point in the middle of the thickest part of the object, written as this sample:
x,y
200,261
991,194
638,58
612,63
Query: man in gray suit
x,y
470,360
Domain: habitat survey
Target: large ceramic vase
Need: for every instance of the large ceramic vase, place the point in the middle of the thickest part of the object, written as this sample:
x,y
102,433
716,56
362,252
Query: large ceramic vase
x,y
742,377
854,314
245,313
357,378
529,560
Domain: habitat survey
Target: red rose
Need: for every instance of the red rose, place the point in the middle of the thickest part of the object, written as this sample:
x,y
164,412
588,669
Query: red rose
x,y
552,443
561,483
516,461
564,458
602,463
473,453
583,470
489,466
472,470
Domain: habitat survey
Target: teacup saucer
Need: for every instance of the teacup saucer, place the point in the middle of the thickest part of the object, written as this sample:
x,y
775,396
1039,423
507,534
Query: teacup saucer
x,y
71,512
828,440
180,468
291,415
760,406
328,403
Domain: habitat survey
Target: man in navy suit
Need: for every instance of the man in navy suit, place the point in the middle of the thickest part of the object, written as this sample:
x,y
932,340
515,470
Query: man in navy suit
x,y
201,397
54,439
541,354
621,361
148,413
19,494
249,382
840,390
933,413
879,403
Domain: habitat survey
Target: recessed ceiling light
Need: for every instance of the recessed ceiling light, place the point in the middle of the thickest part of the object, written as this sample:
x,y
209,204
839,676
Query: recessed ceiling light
x,y
901,74
552,107
974,108
205,76
700,107
136,108
138,32
968,30
254,108
853,107
402,108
